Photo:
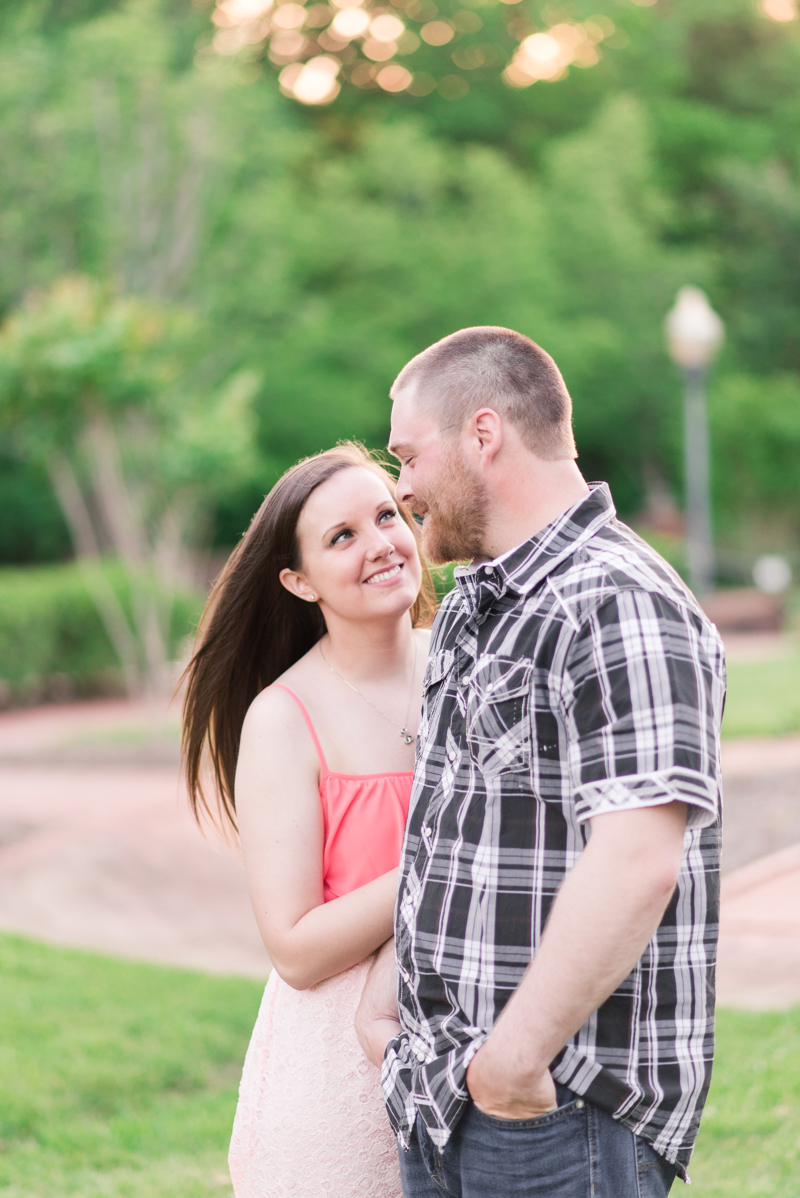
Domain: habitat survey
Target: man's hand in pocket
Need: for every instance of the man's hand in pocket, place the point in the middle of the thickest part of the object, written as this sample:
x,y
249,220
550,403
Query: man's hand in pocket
x,y
499,1089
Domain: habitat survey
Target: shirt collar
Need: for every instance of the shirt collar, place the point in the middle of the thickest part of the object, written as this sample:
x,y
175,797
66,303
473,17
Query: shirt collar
x,y
521,569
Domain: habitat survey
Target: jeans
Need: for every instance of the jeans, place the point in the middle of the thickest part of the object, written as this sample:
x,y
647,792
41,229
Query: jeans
x,y
577,1151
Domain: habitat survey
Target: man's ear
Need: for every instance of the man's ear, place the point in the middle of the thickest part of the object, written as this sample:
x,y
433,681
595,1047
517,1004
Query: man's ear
x,y
486,427
296,584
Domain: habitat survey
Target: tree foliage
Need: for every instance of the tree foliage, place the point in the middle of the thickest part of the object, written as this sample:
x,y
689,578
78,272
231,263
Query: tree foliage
x,y
91,386
316,249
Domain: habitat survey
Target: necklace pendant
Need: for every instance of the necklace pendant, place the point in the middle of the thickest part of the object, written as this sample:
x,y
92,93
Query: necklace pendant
x,y
406,735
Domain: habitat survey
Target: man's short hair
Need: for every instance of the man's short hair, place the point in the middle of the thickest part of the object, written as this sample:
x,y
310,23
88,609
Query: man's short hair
x,y
493,367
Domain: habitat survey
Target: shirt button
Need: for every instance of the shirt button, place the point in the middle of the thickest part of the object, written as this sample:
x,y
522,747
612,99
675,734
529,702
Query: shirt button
x,y
419,1054
426,832
452,754
488,570
579,1105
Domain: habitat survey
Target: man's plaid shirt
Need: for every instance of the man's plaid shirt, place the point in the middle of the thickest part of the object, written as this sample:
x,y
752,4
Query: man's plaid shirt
x,y
574,676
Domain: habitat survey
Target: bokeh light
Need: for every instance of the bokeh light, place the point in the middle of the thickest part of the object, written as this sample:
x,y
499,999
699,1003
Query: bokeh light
x,y
780,10
235,12
394,78
467,22
386,28
469,58
289,16
437,33
548,55
286,46
350,22
313,83
422,84
368,38
363,74
379,51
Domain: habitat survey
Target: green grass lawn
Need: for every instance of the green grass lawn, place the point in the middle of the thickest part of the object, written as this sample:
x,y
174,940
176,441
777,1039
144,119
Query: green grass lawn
x,y
116,1080
119,1081
750,1136
763,697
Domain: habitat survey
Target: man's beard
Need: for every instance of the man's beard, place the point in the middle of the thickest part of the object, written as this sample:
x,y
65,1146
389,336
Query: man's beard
x,y
456,516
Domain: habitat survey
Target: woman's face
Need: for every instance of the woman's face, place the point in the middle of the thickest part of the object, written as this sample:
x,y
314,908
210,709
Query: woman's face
x,y
359,557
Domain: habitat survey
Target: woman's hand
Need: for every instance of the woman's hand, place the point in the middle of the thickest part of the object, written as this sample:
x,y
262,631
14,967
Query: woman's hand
x,y
377,1019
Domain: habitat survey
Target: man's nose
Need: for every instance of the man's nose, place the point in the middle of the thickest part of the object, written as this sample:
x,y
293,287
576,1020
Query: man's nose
x,y
403,491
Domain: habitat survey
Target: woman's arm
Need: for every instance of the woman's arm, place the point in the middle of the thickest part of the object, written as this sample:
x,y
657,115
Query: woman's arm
x,y
281,831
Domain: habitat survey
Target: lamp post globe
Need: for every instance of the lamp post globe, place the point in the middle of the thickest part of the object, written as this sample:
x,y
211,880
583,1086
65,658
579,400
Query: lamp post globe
x,y
694,330
694,335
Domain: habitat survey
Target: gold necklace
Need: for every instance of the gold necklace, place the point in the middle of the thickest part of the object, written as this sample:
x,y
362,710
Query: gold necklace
x,y
407,736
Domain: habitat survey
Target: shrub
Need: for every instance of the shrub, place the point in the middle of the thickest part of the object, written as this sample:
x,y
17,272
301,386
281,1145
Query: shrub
x,y
755,428
52,642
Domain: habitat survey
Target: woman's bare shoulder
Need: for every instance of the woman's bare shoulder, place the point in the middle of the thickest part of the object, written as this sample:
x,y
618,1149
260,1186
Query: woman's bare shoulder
x,y
275,721
272,701
277,773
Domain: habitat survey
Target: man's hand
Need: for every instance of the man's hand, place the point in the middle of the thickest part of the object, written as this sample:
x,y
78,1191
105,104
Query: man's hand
x,y
499,1089
376,1018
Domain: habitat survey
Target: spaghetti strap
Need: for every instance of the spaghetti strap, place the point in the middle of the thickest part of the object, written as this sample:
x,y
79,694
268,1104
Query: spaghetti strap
x,y
307,718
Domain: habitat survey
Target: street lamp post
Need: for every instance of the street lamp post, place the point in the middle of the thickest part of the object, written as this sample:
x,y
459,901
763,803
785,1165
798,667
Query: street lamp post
x,y
694,334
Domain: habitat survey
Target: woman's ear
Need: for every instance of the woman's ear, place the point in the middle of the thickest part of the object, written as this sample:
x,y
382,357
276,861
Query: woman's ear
x,y
296,584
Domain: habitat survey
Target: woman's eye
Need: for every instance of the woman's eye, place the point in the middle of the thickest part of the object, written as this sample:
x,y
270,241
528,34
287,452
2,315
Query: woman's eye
x,y
389,514
344,533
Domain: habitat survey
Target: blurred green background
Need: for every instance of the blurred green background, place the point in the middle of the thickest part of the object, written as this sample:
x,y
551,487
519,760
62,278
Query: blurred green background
x,y
318,248
215,280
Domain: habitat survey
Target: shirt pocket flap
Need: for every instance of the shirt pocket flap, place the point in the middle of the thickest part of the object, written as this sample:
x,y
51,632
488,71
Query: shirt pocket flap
x,y
438,667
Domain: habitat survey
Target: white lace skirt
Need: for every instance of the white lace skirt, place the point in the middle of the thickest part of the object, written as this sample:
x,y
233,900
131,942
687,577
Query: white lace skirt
x,y
310,1122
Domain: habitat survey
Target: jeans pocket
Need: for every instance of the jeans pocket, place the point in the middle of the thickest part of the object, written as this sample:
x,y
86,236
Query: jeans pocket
x,y
545,1157
573,1107
655,1175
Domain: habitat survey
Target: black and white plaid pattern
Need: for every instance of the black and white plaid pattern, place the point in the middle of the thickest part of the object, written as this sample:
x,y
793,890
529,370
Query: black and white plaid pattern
x,y
574,676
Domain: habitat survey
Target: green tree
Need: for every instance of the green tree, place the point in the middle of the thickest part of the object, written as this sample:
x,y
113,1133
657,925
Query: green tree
x,y
755,422
91,386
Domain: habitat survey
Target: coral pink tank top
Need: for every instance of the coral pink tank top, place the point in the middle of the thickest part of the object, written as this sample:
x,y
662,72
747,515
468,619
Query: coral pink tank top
x,y
365,816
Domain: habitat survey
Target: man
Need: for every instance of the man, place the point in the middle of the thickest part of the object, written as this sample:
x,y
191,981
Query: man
x,y
557,909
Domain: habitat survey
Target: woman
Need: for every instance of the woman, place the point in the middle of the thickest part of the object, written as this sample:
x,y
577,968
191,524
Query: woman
x,y
303,696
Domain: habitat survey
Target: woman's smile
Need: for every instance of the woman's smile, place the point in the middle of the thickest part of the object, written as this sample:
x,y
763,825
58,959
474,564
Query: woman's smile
x,y
385,575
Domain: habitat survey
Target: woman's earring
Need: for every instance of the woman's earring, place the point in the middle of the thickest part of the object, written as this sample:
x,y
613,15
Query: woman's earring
x,y
312,597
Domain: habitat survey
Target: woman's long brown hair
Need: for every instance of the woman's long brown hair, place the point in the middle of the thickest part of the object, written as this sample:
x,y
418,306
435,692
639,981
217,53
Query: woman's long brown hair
x,y
253,629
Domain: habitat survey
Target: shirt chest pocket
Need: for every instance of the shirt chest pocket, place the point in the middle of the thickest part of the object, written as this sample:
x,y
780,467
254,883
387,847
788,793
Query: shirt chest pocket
x,y
434,685
499,731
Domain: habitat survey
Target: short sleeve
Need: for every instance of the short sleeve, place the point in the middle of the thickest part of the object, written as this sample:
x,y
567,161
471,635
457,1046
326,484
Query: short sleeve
x,y
643,690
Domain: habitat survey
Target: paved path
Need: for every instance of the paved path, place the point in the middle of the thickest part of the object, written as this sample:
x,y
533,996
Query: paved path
x,y
759,948
759,953
761,798
97,849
